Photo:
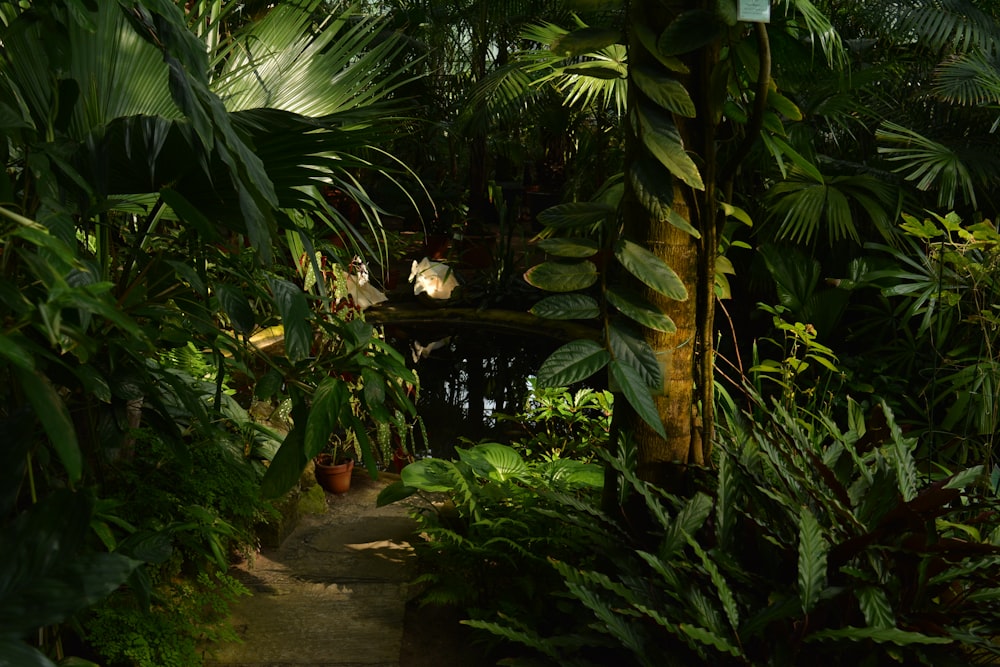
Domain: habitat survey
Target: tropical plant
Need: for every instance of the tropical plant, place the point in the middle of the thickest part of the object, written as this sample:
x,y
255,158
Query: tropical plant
x,y
807,544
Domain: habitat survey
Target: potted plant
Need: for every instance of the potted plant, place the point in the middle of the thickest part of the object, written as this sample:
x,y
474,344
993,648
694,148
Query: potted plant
x,y
335,464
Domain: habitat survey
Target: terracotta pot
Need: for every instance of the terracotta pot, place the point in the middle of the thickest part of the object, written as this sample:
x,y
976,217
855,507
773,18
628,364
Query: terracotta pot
x,y
335,478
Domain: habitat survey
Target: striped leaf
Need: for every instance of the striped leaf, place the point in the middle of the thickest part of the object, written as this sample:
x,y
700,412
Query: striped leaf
x,y
813,550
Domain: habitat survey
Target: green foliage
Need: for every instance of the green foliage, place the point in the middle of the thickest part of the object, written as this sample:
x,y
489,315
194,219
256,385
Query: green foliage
x,y
561,424
807,545
488,516
172,632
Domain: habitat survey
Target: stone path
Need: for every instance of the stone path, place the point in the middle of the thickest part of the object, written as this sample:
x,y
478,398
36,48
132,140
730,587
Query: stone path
x,y
334,594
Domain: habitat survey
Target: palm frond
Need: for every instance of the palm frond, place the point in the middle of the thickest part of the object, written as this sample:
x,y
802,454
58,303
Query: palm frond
x,y
928,163
968,79
958,25
820,29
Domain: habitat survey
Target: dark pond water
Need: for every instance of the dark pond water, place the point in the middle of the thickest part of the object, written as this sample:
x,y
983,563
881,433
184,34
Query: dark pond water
x,y
468,376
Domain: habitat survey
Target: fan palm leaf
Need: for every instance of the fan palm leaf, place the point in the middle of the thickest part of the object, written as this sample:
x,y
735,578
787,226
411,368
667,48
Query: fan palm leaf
x,y
928,163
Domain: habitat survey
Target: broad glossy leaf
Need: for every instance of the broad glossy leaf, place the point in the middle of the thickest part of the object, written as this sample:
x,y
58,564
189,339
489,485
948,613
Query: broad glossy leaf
x,y
637,394
651,270
876,608
813,549
294,310
285,468
636,353
16,652
55,419
562,277
636,308
394,493
648,40
574,361
329,399
569,247
664,90
783,105
189,213
574,473
494,461
236,306
567,307
660,137
689,31
585,40
576,215
596,71
433,475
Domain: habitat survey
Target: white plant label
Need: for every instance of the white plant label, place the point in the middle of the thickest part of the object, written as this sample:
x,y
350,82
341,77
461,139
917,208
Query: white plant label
x,y
757,11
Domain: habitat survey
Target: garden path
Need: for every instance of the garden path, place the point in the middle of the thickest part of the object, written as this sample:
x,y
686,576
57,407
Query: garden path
x,y
335,594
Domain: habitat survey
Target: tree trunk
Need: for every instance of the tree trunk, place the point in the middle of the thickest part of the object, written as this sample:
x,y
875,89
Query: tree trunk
x,y
687,355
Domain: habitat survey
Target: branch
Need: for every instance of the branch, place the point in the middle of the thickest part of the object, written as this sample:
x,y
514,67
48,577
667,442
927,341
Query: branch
x,y
510,320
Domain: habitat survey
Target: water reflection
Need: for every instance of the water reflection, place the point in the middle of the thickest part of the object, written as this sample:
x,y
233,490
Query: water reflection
x,y
468,377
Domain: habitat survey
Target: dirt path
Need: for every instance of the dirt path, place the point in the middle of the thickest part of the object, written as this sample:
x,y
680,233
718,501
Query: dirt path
x,y
335,595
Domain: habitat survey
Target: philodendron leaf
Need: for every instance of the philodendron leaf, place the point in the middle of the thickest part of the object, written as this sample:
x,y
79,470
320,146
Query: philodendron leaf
x,y
294,310
561,276
585,40
664,90
55,418
636,353
567,307
638,309
634,388
689,31
651,270
328,402
569,247
236,306
576,215
813,549
660,137
574,361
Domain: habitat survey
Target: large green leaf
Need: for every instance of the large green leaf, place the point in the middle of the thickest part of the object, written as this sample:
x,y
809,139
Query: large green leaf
x,y
569,247
494,461
55,418
636,308
236,306
433,475
295,315
635,352
285,468
650,270
562,276
689,31
664,90
634,388
813,549
328,401
878,635
660,137
576,215
574,361
567,307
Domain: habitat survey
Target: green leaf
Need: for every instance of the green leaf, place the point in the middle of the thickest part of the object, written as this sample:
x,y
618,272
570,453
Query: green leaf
x,y
638,309
648,40
783,105
189,213
329,399
964,478
574,361
813,549
660,137
286,467
569,247
16,354
434,475
236,306
650,270
585,40
576,215
562,276
637,394
501,461
268,385
16,652
689,31
394,493
635,352
595,71
664,90
55,419
567,307
294,310
876,608
878,635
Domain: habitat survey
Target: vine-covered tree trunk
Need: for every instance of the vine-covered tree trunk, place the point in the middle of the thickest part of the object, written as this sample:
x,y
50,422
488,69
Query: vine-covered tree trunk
x,y
686,356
